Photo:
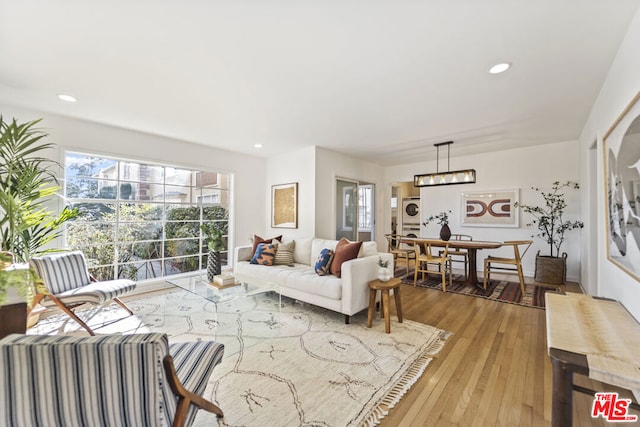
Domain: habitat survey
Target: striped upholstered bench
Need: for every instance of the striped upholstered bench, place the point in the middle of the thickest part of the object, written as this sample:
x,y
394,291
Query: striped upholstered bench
x,y
107,380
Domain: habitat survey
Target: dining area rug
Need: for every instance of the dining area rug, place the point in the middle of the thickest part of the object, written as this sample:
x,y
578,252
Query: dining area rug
x,y
497,290
284,363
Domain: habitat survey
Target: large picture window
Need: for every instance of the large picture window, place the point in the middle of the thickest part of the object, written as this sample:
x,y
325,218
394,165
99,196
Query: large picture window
x,y
141,220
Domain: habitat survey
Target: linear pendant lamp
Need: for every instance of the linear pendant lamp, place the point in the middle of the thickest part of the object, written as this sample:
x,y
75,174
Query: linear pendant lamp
x,y
464,176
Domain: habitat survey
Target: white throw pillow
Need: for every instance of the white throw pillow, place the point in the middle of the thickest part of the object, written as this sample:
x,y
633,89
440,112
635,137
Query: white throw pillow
x,y
302,251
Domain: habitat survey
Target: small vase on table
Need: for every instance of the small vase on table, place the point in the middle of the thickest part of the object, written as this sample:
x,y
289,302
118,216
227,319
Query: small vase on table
x,y
384,273
445,232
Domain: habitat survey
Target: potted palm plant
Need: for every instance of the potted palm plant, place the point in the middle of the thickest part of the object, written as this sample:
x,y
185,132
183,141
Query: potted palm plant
x,y
552,226
26,185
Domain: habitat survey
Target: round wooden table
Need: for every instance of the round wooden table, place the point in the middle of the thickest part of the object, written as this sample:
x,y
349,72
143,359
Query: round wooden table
x,y
384,288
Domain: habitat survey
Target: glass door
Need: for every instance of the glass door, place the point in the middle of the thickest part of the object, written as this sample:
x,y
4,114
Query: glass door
x,y
346,209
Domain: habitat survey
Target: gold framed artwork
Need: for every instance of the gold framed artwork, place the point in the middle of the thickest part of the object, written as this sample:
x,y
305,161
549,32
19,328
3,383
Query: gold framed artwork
x,y
621,154
284,205
494,208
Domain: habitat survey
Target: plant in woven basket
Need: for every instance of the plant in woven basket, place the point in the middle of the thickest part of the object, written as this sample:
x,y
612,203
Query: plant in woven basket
x,y
549,217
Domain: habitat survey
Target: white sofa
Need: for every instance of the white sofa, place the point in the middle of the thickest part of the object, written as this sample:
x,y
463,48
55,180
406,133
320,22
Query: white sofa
x,y
348,294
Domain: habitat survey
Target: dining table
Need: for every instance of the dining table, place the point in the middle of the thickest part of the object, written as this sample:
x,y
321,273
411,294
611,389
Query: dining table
x,y
471,246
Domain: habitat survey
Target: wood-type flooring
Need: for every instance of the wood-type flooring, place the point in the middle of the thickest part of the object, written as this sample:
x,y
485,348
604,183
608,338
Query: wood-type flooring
x,y
494,370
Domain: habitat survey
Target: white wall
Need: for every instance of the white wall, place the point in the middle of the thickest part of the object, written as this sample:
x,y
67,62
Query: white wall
x,y
331,165
297,166
521,168
248,171
620,86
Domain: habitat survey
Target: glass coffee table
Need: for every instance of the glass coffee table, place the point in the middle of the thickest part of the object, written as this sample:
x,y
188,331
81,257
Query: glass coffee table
x,y
199,285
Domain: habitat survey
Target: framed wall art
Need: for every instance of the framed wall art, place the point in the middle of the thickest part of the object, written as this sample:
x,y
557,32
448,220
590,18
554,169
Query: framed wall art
x,y
490,208
621,154
284,205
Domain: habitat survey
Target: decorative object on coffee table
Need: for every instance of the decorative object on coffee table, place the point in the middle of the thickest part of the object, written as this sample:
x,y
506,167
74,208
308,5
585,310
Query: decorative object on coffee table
x,y
443,219
551,269
214,234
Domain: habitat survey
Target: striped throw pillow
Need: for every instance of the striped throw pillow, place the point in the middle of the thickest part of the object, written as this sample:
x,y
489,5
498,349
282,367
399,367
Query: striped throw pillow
x,y
284,254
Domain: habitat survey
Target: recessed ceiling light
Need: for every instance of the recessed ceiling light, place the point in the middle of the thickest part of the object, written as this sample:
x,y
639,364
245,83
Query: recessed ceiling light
x,y
499,68
257,145
66,97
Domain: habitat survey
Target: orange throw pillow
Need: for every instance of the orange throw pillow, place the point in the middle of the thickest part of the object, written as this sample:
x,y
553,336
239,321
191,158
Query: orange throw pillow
x,y
257,240
345,251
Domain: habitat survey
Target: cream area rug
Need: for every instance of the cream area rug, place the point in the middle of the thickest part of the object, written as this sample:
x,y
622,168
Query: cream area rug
x,y
285,364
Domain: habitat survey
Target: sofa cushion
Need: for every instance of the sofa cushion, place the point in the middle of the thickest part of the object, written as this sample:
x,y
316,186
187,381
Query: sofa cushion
x,y
265,252
257,240
302,251
368,249
324,262
284,254
300,277
345,251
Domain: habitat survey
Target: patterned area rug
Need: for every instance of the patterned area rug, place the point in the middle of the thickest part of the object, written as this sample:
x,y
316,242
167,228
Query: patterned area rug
x,y
284,365
497,290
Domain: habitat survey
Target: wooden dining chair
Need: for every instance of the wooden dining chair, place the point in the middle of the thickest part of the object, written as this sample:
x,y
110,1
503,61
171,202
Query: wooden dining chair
x,y
399,250
425,256
463,254
508,265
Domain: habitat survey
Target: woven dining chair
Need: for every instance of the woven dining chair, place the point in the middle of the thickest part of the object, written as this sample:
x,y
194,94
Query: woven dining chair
x,y
462,254
396,248
425,256
508,265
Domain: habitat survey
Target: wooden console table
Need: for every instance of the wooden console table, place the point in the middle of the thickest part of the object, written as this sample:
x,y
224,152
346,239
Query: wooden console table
x,y
590,336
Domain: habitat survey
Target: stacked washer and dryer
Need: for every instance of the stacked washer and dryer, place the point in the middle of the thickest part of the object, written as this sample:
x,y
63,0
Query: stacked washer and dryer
x,y
411,217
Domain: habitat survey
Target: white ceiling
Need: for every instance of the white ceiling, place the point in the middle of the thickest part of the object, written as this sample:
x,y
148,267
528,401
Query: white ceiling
x,y
382,80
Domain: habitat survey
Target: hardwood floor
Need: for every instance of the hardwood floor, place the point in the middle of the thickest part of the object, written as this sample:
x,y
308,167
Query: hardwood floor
x,y
494,369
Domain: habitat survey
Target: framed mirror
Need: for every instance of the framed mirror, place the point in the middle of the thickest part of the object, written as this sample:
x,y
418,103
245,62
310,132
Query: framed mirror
x,y
621,146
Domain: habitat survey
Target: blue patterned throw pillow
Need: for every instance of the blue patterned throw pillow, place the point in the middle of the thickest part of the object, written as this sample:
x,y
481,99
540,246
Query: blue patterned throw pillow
x,y
265,253
324,262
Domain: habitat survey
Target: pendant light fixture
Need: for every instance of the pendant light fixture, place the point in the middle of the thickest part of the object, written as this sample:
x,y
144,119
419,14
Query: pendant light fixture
x,y
464,176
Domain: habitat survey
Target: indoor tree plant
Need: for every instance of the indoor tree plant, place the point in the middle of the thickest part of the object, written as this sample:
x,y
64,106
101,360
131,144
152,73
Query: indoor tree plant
x,y
443,220
551,225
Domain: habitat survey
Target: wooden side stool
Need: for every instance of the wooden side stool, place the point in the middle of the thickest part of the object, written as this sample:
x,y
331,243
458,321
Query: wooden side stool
x,y
384,288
